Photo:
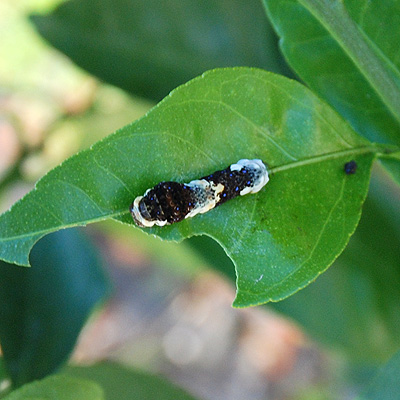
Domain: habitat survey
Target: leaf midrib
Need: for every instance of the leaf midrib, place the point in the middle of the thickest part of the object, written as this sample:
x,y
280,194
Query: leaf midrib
x,y
295,164
325,157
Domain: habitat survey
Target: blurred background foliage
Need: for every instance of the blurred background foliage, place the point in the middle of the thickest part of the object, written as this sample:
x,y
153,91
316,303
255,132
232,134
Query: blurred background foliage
x,y
167,314
148,48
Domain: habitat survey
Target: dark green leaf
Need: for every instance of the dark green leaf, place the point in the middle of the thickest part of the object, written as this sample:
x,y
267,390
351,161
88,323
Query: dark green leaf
x,y
58,388
385,385
42,309
120,383
347,52
280,239
150,47
3,371
354,305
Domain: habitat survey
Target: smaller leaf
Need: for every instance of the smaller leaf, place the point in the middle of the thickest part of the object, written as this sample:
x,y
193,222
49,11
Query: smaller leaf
x,y
58,388
348,54
43,308
120,383
346,25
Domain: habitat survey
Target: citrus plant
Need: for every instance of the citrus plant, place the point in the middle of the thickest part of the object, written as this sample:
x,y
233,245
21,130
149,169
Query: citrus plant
x,y
319,137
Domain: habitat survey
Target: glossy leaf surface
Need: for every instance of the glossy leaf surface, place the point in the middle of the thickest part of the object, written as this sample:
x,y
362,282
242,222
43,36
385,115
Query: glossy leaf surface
x,y
43,308
150,47
279,239
347,52
121,383
60,388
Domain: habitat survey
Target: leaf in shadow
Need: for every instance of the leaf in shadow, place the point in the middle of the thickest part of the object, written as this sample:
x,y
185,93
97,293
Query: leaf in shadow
x,y
347,52
43,308
150,47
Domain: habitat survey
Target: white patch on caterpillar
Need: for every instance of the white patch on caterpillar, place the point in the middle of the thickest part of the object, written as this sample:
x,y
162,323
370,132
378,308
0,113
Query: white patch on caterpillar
x,y
236,167
206,196
140,219
260,172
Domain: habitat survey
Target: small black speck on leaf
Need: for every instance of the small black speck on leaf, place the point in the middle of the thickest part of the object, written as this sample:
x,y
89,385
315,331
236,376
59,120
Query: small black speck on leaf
x,y
350,167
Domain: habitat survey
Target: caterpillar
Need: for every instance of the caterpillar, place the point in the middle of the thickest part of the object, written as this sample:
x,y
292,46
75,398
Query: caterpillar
x,y
171,202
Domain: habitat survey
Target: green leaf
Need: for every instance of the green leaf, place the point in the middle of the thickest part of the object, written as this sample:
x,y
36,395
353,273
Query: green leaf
x,y
392,164
58,388
3,371
354,306
42,309
120,383
385,386
279,239
346,51
150,47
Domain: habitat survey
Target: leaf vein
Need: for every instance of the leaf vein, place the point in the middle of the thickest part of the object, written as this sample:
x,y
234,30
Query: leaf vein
x,y
43,206
77,188
118,179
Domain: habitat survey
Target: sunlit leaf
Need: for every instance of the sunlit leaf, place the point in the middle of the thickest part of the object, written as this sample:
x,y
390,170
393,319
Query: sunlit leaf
x,y
354,305
279,239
